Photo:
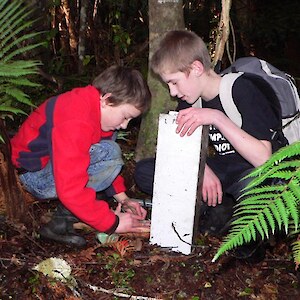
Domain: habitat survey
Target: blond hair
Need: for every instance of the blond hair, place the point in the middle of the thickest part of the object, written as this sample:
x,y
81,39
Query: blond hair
x,y
177,50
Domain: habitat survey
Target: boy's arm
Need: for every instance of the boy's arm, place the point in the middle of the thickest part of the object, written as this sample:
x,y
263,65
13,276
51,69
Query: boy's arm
x,y
253,150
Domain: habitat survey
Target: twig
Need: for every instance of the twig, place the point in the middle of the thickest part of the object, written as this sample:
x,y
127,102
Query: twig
x,y
193,245
118,294
27,236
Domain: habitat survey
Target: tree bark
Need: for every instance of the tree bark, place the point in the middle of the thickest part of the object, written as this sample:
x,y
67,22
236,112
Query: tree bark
x,y
82,34
223,31
71,26
171,12
13,198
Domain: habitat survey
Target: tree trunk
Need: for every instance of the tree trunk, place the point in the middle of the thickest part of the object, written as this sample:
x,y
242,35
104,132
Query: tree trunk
x,y
71,26
223,31
82,34
13,198
171,12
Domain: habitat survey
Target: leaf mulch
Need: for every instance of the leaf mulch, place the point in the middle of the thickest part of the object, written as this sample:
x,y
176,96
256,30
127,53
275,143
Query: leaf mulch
x,y
131,268
136,269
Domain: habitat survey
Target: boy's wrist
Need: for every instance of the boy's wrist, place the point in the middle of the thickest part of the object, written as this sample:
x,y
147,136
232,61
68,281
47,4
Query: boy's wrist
x,y
122,198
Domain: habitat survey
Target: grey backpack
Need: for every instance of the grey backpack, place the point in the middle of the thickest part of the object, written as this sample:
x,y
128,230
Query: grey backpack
x,y
278,86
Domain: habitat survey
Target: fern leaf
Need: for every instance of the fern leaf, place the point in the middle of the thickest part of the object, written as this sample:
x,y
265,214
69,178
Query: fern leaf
x,y
10,31
19,95
266,207
264,189
253,231
254,199
276,214
232,240
283,153
22,82
264,225
296,252
8,11
294,187
270,218
283,213
20,51
11,109
292,207
258,225
18,68
261,173
249,210
284,175
2,4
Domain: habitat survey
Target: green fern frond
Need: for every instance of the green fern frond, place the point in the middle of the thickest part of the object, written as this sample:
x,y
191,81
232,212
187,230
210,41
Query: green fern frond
x,y
11,109
8,10
294,187
10,30
266,208
265,189
21,50
296,252
284,214
16,39
19,95
292,206
2,4
261,173
21,82
18,68
11,46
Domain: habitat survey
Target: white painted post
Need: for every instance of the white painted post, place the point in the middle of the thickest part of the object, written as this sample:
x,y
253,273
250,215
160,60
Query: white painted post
x,y
175,186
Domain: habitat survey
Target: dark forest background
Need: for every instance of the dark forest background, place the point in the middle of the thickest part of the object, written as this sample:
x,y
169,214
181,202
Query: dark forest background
x,y
117,32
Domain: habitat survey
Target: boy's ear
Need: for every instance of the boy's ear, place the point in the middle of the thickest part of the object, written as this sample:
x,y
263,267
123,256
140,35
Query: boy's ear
x,y
197,68
105,99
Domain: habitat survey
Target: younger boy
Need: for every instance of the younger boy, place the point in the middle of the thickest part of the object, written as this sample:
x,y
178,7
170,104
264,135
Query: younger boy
x,y
65,150
183,63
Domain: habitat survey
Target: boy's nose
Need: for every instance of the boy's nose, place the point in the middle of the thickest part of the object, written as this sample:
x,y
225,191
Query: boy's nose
x,y
173,90
124,124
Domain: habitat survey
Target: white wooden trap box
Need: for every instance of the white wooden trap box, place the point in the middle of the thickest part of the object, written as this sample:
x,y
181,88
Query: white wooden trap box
x,y
175,186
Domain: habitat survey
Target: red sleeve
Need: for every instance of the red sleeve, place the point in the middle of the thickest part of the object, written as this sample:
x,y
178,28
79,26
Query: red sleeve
x,y
71,141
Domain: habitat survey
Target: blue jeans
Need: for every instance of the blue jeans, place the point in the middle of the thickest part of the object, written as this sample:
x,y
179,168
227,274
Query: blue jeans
x,y
105,165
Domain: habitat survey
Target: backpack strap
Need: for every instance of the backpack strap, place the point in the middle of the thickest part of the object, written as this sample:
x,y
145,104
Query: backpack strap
x,y
225,93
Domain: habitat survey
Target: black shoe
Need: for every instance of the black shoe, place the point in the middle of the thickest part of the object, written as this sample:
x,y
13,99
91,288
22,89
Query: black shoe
x,y
215,220
60,229
253,252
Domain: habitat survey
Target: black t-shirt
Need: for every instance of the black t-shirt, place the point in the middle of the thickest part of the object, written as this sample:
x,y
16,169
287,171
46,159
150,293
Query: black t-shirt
x,y
257,120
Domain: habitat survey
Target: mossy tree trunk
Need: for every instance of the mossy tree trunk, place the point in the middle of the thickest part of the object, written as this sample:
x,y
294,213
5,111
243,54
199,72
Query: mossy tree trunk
x,y
163,16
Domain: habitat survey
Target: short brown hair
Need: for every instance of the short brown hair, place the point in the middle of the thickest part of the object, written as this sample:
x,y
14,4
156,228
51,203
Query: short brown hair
x,y
126,85
177,50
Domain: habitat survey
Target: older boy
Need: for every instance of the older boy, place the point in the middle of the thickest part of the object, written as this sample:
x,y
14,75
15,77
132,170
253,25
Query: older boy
x,y
183,63
65,150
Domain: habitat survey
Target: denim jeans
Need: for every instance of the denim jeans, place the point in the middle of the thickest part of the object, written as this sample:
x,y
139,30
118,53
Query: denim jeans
x,y
105,165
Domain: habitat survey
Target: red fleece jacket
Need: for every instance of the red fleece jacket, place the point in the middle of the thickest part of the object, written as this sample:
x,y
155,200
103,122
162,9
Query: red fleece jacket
x,y
62,130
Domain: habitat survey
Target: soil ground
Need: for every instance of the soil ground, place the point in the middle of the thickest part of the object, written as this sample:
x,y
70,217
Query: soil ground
x,y
133,269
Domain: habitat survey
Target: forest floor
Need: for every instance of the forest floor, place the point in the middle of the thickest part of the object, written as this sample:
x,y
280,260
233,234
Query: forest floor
x,y
131,268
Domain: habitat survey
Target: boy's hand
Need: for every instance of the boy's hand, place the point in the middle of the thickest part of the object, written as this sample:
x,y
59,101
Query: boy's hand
x,y
212,189
190,119
134,207
129,222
